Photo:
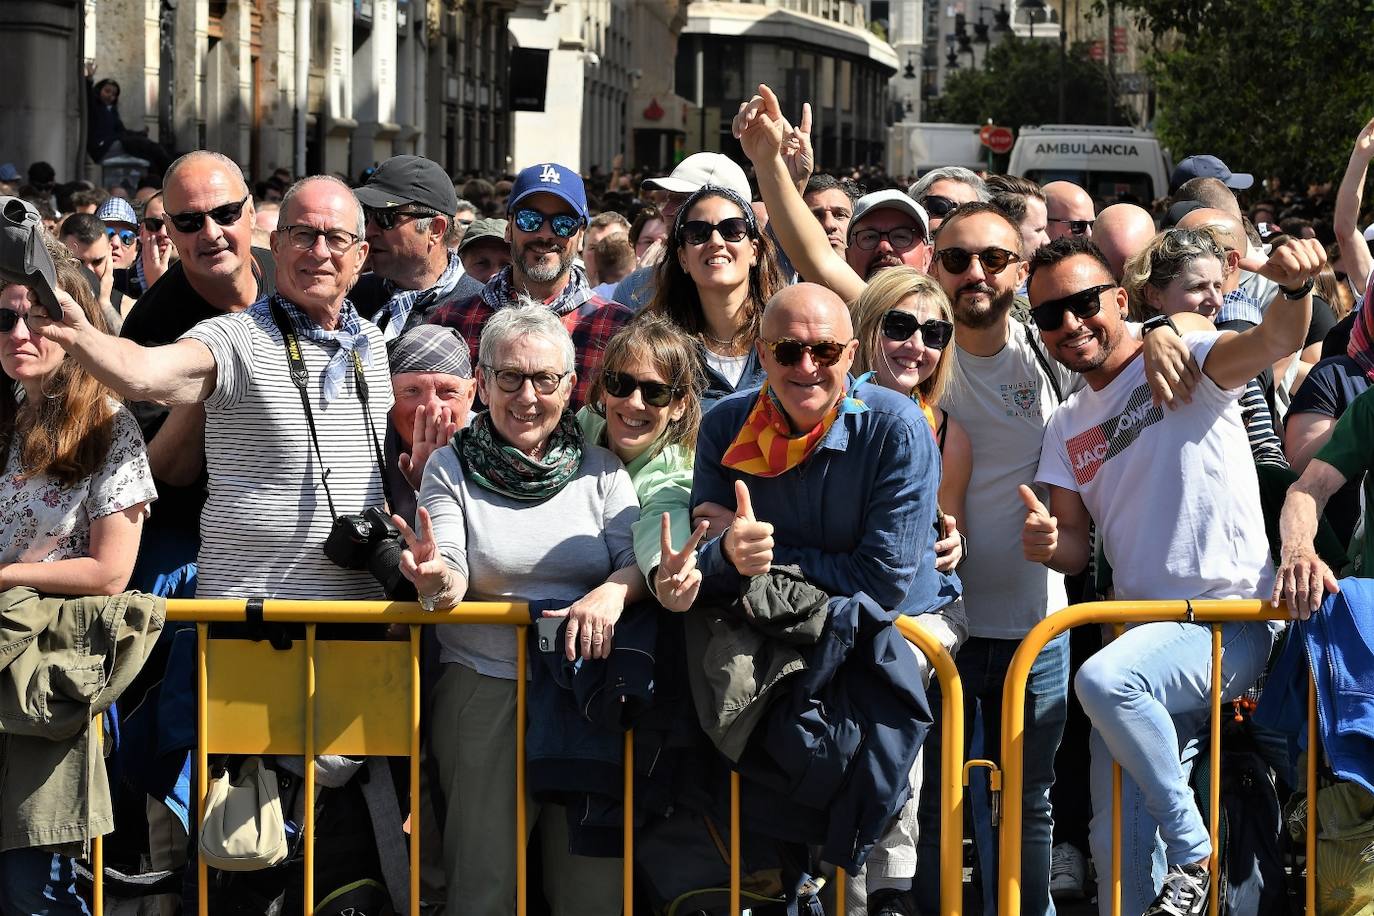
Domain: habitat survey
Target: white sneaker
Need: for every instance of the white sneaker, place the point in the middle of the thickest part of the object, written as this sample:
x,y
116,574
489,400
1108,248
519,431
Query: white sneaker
x,y
1068,872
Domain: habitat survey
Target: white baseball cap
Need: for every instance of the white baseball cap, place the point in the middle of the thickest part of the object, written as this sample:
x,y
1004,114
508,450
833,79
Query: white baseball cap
x,y
701,169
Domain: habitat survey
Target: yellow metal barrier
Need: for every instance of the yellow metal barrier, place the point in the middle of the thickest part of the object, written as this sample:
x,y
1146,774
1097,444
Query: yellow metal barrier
x,y
1119,613
240,710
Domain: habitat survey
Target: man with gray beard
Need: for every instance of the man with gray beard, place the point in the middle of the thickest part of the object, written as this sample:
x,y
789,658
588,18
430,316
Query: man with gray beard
x,y
547,216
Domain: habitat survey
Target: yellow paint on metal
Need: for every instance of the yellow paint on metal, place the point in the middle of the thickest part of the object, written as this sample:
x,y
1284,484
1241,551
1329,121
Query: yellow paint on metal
x,y
1214,782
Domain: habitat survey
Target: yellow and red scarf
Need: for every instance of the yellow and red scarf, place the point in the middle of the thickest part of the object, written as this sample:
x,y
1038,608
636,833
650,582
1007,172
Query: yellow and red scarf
x,y
766,446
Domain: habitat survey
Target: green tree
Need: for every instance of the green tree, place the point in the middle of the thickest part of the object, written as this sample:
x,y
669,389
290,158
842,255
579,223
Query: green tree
x,y
1270,86
1018,84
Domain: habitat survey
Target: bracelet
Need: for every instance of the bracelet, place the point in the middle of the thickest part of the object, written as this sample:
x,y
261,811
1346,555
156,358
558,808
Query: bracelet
x,y
1302,292
431,602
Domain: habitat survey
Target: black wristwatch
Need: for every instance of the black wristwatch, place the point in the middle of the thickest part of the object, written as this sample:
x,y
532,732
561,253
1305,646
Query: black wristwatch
x,y
1302,292
1157,322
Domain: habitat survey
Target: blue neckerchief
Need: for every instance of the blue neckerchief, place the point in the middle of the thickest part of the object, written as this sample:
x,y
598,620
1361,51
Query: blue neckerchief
x,y
402,301
348,338
501,292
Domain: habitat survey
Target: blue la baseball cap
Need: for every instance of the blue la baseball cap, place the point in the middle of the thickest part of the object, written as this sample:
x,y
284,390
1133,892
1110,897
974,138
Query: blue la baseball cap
x,y
550,178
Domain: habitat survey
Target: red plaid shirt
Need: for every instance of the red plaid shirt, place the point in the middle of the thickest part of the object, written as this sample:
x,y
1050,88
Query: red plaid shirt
x,y
591,324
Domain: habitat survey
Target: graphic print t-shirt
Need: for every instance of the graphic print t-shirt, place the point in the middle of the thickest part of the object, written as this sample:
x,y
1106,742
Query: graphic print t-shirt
x,y
1174,493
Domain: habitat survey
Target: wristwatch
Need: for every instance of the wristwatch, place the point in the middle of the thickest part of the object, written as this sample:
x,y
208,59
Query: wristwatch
x,y
1157,322
1302,292
429,602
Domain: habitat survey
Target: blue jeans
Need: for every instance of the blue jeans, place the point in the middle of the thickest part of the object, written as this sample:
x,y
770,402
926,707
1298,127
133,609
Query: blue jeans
x,y
983,665
1148,695
37,882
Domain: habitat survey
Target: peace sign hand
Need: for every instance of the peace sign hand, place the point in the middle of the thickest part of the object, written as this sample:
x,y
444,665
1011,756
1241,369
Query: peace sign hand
x,y
420,561
678,580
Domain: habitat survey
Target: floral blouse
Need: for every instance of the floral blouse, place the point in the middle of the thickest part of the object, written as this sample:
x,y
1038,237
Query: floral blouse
x,y
42,520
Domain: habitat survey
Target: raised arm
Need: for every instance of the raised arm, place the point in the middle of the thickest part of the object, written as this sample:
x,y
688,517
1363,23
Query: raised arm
x,y
178,373
762,132
1355,255
1235,359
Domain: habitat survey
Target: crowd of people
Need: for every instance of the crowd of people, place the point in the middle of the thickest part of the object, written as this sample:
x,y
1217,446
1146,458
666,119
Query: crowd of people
x,y
719,429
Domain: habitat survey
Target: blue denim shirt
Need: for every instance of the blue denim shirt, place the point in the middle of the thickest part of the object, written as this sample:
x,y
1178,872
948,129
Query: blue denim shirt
x,y
857,516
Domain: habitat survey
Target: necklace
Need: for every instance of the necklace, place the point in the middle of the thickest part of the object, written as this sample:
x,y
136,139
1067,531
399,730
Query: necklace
x,y
728,342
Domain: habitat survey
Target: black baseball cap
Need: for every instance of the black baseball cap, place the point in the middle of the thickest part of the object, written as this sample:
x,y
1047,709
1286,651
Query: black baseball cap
x,y
409,179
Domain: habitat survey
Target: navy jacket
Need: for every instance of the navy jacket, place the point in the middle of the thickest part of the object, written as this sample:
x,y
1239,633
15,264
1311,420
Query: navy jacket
x,y
578,714
1337,643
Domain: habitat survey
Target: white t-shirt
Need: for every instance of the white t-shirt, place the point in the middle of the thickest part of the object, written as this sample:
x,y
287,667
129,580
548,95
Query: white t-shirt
x,y
1173,493
266,517
1003,402
730,368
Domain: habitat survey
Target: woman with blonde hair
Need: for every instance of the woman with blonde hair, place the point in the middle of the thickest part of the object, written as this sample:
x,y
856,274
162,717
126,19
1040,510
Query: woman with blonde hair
x,y
74,491
906,339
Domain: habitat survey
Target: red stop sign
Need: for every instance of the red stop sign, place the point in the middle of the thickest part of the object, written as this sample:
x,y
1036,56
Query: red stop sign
x,y
997,139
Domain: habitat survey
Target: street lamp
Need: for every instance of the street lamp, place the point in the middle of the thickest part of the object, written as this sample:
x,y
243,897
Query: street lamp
x,y
1035,11
910,72
1001,23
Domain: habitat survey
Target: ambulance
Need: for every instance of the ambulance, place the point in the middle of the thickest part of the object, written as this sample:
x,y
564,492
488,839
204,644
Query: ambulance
x,y
1111,163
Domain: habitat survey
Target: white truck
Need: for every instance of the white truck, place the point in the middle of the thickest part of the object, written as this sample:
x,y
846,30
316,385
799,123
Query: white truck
x,y
1110,163
918,147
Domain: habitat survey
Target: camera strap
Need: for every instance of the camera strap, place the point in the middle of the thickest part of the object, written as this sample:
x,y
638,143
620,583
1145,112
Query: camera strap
x,y
300,377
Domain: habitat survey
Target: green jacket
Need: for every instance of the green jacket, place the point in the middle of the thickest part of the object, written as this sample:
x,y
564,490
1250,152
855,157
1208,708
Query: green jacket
x,y
63,662
663,483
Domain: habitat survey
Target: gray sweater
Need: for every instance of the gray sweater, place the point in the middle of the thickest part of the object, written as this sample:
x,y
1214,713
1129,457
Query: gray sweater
x,y
509,550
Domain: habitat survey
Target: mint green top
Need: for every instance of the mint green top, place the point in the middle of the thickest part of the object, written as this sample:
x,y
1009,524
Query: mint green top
x,y
663,482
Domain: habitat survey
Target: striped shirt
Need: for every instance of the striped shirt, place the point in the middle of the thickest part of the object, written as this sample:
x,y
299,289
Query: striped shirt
x,y
266,519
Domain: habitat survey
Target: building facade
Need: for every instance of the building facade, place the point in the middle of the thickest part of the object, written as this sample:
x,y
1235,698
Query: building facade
x,y
821,51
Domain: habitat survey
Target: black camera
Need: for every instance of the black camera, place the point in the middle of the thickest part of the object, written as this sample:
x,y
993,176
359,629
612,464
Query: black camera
x,y
368,540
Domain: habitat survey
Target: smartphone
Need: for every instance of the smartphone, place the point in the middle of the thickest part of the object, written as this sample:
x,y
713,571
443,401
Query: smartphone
x,y
547,630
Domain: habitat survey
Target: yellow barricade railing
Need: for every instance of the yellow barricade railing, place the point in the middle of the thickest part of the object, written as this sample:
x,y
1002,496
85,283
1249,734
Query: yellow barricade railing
x,y
1119,613
240,709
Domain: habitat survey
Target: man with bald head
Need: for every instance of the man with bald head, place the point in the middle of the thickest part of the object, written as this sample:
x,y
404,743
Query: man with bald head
x,y
207,214
277,478
1069,210
1120,231
840,480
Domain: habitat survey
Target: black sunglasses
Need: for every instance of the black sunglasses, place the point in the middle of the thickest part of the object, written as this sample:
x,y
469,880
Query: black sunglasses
x,y
1076,226
788,352
564,225
9,320
623,384
994,260
387,219
1049,316
698,231
899,325
152,223
938,207
126,236
192,221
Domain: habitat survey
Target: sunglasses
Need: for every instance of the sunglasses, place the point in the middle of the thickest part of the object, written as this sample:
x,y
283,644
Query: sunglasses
x,y
9,320
1076,226
623,384
698,231
386,220
1049,316
564,225
788,352
126,236
900,239
994,260
192,221
938,207
512,380
899,326
153,223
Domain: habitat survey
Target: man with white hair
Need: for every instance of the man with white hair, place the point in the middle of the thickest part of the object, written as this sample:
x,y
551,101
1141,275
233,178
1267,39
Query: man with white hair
x,y
941,190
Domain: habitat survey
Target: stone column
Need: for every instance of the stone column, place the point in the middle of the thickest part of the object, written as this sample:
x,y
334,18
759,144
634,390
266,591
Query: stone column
x,y
374,91
338,111
41,71
191,41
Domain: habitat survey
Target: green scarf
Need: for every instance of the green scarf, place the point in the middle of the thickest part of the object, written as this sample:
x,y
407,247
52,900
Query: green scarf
x,y
504,469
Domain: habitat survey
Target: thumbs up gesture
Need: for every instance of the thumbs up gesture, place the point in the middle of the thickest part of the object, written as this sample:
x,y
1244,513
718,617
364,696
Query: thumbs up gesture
x,y
748,543
1040,534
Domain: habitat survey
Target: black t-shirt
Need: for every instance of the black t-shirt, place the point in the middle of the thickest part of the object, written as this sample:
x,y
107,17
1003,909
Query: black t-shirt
x,y
169,309
1337,342
1327,391
1323,320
